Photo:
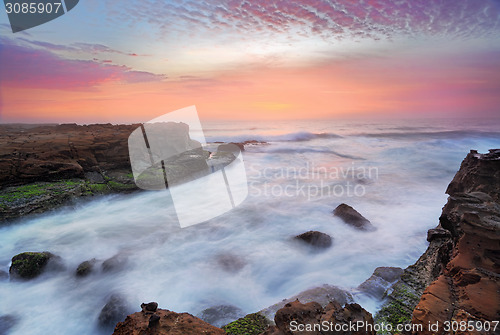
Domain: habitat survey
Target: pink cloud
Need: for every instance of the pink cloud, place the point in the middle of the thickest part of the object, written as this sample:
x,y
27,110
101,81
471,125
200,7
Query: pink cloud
x,y
36,68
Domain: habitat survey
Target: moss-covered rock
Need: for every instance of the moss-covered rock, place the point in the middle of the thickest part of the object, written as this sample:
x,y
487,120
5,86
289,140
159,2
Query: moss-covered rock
x,y
252,324
85,268
29,265
399,307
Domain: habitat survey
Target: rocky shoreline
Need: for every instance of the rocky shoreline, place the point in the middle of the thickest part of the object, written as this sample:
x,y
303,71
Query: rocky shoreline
x,y
43,167
456,280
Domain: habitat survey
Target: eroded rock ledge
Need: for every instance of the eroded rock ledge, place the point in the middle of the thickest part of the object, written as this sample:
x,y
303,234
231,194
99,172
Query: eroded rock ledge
x,y
458,277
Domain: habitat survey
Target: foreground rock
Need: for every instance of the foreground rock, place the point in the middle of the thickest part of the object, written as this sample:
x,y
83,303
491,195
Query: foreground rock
x,y
322,294
162,321
29,265
467,286
457,279
352,217
315,239
316,320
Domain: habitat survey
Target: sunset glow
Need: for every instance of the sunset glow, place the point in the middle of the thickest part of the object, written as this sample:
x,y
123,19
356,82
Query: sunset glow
x,y
241,60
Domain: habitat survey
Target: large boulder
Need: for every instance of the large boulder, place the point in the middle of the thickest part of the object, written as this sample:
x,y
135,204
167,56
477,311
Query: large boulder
x,y
29,265
312,319
352,217
115,263
164,322
315,239
85,268
322,294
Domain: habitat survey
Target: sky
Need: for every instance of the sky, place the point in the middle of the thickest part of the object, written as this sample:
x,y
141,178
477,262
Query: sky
x,y
120,62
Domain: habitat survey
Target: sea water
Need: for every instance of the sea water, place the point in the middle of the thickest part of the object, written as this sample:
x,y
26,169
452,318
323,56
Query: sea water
x,y
395,173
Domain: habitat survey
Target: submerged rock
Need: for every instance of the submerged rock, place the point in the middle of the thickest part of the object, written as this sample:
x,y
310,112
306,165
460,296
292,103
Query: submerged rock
x,y
7,322
381,279
352,217
4,275
85,268
230,263
164,322
29,265
115,263
316,239
115,310
221,315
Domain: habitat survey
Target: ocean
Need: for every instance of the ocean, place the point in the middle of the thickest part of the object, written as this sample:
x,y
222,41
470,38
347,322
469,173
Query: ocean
x,y
394,172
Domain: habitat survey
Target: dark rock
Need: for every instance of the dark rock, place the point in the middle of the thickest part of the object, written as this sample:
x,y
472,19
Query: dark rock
x,y
149,307
165,322
154,320
435,233
221,315
381,279
7,322
85,268
115,263
29,265
114,311
230,263
309,313
352,217
350,314
94,177
316,239
232,147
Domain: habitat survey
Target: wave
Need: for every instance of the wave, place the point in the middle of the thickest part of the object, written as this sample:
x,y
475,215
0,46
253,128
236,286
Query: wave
x,y
310,150
448,134
302,136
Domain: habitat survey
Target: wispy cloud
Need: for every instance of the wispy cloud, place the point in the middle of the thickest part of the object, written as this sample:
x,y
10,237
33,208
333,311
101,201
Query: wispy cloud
x,y
22,66
330,19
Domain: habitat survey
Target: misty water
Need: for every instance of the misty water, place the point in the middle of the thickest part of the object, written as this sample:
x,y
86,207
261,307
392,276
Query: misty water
x,y
395,173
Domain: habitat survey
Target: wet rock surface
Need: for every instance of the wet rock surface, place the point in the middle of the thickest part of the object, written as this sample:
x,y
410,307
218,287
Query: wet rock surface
x,y
311,315
85,268
381,280
114,311
315,239
352,217
322,294
29,265
164,322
